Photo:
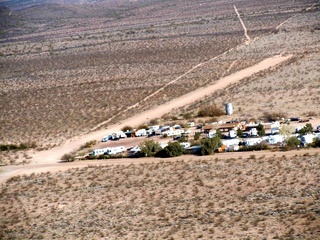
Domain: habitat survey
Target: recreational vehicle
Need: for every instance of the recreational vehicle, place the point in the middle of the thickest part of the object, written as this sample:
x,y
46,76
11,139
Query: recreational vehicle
x,y
115,150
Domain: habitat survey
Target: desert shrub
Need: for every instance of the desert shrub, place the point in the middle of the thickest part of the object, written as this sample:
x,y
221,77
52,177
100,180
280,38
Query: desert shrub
x,y
311,114
174,118
21,146
126,128
67,157
173,149
197,136
260,129
256,147
88,144
154,122
218,133
306,129
143,126
315,143
273,116
209,145
239,133
210,111
293,142
149,148
184,138
187,115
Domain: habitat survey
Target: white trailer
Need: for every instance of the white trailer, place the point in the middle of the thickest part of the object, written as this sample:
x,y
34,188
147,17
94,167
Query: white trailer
x,y
118,134
252,141
212,133
98,152
163,145
307,139
141,132
232,134
115,150
253,132
185,145
134,150
231,144
274,139
174,132
106,138
163,130
191,124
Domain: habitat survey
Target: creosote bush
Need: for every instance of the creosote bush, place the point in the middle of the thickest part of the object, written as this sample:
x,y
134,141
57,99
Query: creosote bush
x,y
210,111
68,157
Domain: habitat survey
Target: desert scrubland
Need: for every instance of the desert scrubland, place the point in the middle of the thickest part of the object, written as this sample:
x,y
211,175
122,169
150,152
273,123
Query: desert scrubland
x,y
245,198
59,81
67,68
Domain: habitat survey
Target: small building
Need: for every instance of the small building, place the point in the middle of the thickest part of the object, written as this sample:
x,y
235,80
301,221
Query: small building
x,y
229,126
207,128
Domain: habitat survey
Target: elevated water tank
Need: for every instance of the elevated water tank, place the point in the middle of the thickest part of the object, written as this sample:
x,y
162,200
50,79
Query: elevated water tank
x,y
229,108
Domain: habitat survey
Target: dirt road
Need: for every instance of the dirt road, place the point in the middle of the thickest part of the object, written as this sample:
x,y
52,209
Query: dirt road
x,y
242,23
53,156
11,171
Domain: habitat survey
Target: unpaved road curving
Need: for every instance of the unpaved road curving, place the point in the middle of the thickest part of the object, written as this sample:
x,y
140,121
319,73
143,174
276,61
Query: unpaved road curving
x,y
52,156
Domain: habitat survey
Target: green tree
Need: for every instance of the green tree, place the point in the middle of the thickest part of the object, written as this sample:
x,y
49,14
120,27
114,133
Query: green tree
x,y
316,143
286,130
218,133
197,136
306,129
173,149
239,132
293,142
260,129
149,148
209,145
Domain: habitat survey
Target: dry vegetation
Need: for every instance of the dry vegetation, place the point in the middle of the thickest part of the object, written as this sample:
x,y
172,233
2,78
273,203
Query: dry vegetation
x,y
56,84
274,197
288,88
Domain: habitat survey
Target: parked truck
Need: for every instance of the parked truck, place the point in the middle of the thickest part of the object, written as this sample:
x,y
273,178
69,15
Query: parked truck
x,y
252,141
106,138
274,139
307,139
117,135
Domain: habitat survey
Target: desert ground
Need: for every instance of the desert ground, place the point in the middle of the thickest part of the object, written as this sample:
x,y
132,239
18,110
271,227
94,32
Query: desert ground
x,y
256,196
105,65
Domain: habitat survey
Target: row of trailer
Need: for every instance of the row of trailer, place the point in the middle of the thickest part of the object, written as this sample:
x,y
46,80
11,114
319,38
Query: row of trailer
x,y
175,130
108,151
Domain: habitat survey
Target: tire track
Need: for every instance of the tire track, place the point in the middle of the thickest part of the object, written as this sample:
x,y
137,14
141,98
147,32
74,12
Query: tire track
x,y
242,23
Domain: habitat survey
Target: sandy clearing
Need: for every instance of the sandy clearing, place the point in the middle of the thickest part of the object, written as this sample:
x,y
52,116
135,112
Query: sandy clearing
x,y
52,156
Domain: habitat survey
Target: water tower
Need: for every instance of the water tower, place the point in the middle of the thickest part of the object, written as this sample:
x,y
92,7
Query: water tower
x,y
229,108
